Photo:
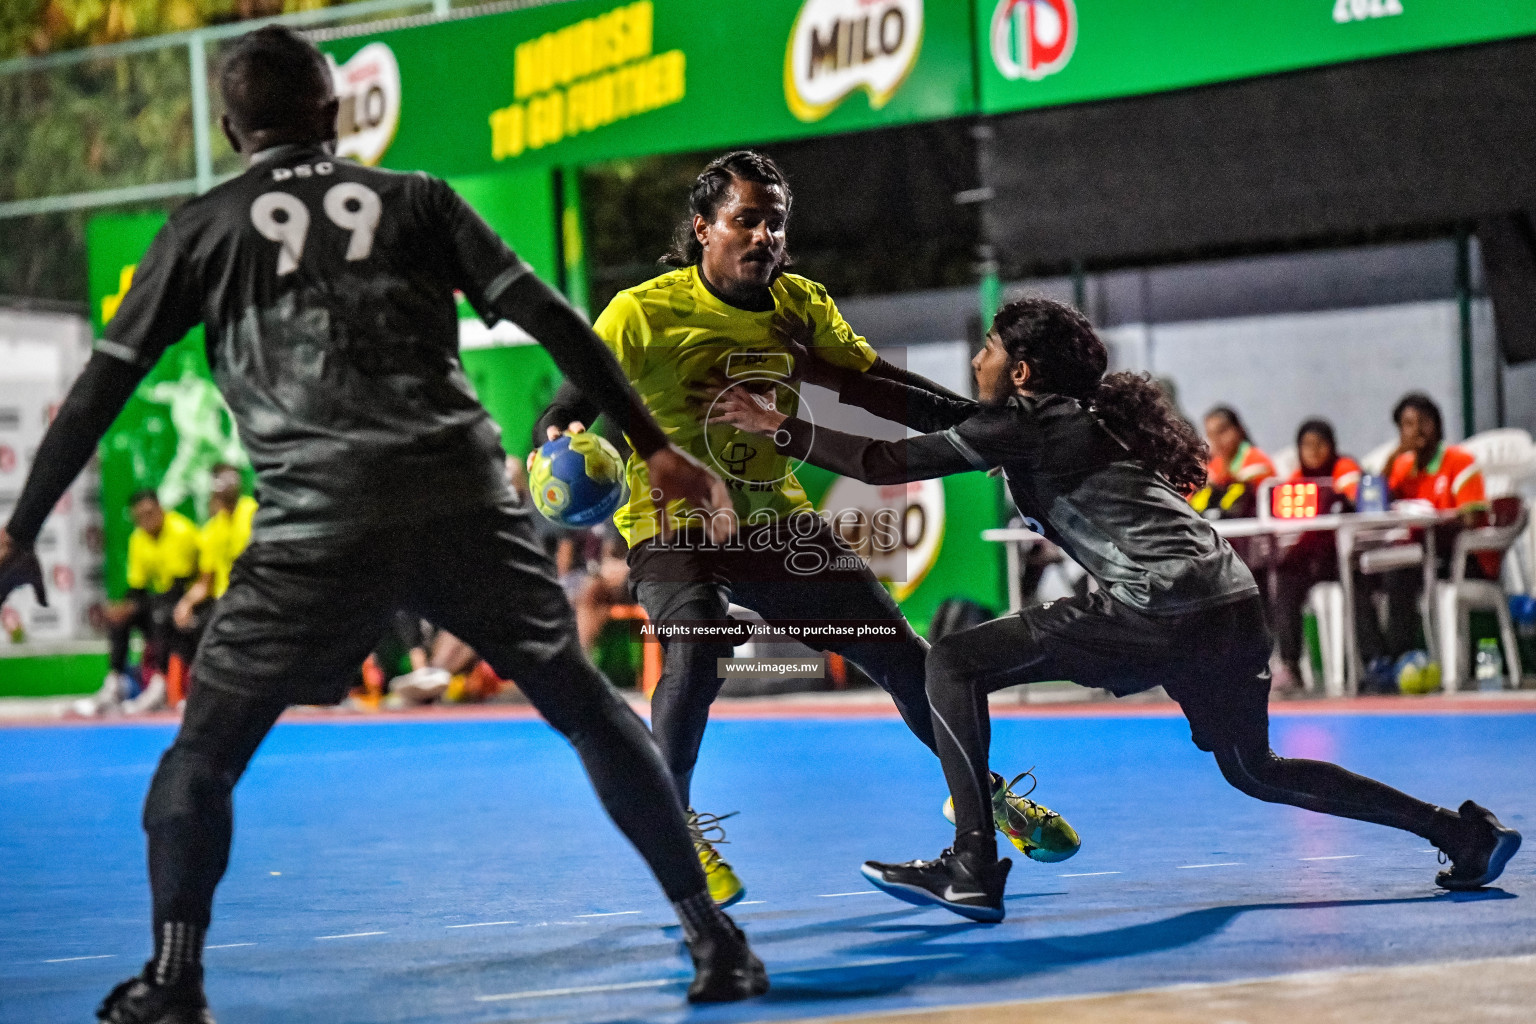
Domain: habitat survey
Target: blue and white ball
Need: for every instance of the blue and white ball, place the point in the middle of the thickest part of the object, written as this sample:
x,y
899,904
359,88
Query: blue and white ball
x,y
577,480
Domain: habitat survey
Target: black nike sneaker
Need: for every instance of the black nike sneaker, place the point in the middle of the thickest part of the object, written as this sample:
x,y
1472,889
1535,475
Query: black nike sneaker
x,y
725,969
140,1001
1481,858
966,884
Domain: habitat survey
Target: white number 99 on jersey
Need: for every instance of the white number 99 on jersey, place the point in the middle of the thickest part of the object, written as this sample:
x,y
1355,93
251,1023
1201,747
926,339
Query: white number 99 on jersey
x,y
284,218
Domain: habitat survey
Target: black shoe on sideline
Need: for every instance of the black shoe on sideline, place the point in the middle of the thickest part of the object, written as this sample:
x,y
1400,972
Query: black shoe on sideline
x,y
1482,858
140,1001
725,969
969,886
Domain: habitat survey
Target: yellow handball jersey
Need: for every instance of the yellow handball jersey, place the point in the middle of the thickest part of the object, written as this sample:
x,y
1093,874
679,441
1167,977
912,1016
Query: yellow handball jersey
x,y
156,563
221,540
672,336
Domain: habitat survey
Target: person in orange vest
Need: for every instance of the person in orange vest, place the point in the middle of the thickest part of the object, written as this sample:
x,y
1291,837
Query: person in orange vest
x,y
1317,456
1422,468
1235,470
1313,558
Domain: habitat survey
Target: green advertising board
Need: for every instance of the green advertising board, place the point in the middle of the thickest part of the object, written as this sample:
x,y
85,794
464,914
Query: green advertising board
x,y
1041,53
592,80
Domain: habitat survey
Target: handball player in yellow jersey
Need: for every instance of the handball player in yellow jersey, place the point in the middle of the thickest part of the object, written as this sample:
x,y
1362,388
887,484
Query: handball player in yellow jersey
x,y
727,314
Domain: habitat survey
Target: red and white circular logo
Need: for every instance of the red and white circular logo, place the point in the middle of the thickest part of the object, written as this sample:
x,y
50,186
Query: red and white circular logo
x,y
1033,38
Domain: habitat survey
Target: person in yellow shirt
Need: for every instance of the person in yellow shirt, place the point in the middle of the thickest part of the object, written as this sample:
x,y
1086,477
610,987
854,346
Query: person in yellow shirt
x,y
219,543
729,315
162,559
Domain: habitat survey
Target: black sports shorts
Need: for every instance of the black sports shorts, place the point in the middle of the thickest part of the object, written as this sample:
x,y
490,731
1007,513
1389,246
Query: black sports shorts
x,y
300,617
1214,662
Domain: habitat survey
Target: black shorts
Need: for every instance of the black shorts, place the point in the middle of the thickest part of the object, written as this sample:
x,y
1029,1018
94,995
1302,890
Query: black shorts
x,y
300,617
1214,662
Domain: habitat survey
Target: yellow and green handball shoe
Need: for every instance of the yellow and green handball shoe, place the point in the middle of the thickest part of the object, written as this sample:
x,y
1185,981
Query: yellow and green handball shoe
x,y
1038,832
724,887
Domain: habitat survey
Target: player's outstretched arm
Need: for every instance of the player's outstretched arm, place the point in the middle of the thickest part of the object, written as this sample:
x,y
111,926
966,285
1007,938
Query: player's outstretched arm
x,y
887,370
587,364
863,458
798,336
887,390
92,404
910,406
581,356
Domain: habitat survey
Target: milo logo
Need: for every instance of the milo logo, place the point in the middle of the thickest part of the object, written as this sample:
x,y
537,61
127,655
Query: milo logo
x,y
839,46
1033,38
368,88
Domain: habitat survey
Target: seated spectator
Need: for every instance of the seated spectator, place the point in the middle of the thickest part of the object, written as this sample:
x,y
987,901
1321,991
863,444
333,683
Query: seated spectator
x,y
162,559
220,541
1318,457
444,669
606,584
1313,557
1423,468
1235,470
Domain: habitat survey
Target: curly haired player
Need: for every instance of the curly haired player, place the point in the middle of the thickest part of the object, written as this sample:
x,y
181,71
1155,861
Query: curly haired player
x,y
1102,464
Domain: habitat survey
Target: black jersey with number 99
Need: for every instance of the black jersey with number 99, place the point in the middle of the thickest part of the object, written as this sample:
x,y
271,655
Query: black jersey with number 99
x,y
327,289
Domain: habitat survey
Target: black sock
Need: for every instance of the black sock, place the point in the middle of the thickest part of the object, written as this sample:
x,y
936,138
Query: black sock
x,y
1448,830
980,844
178,951
700,917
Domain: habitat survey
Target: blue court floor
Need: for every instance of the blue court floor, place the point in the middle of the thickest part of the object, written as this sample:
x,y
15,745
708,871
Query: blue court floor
x,y
461,871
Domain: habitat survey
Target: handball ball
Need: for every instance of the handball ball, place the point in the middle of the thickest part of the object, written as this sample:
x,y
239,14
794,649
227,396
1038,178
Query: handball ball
x,y
1417,674
577,480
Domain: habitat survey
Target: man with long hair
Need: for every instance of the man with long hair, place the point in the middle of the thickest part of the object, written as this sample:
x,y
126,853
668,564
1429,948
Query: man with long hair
x,y
328,289
1102,462
730,311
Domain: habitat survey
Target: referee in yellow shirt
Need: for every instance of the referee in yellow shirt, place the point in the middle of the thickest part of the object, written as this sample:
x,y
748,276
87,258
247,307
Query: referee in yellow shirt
x,y
219,543
162,559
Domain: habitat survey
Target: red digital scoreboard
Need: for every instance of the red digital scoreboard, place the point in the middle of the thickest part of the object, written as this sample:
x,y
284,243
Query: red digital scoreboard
x,y
1301,499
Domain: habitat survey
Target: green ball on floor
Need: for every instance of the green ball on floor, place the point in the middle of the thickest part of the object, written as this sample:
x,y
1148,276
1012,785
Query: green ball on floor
x,y
1416,674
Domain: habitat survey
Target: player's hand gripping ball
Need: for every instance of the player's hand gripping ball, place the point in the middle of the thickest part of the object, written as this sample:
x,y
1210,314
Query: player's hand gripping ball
x,y
577,480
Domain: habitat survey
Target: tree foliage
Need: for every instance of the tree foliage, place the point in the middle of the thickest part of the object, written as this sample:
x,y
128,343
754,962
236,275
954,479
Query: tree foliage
x,y
96,124
46,26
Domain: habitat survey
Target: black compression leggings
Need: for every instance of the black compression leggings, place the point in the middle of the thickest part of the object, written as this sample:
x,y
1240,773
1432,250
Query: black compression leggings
x,y
964,667
1328,789
690,679
188,815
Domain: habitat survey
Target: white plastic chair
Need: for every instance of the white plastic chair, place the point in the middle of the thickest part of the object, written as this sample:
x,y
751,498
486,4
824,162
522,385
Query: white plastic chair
x,y
1327,603
1458,596
1506,457
1286,462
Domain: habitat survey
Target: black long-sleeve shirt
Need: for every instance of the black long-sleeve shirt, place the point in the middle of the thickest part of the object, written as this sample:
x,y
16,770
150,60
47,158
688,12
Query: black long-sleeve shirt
x,y
1071,479
328,292
571,405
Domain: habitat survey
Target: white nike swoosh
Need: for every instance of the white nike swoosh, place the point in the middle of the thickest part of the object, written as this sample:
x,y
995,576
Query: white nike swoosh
x,y
951,894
